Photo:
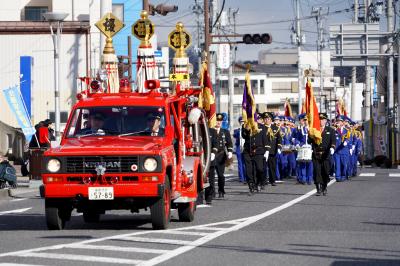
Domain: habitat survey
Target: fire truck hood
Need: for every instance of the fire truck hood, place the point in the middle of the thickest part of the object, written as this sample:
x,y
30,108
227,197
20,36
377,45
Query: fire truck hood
x,y
109,146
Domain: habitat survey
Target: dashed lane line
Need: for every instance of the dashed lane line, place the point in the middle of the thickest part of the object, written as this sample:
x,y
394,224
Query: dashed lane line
x,y
367,174
394,175
16,200
204,233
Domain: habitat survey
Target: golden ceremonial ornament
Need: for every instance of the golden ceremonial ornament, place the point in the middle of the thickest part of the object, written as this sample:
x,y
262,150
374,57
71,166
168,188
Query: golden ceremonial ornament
x,y
109,25
179,40
143,29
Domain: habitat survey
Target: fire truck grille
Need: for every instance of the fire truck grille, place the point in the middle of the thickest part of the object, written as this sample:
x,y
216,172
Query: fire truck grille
x,y
88,164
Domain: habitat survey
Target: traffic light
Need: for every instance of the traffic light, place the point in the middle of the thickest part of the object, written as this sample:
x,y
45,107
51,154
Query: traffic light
x,y
264,38
162,9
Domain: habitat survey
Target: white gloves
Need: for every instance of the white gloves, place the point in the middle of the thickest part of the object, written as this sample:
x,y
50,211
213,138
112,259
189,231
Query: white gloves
x,y
266,155
230,155
212,157
332,151
297,146
279,151
345,143
351,151
353,147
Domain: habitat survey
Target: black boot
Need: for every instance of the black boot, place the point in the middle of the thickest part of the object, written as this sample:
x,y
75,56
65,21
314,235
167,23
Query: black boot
x,y
318,186
324,190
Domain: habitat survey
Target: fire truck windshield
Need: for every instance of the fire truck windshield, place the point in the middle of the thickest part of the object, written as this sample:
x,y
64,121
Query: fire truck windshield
x,y
117,120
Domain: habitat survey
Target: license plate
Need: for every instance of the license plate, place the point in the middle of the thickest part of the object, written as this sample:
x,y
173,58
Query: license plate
x,y
101,193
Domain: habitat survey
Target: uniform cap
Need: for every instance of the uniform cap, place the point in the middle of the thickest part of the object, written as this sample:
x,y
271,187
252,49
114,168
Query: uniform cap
x,y
323,116
220,117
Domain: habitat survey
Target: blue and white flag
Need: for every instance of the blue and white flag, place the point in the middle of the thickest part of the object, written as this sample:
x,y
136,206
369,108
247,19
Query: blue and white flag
x,y
14,99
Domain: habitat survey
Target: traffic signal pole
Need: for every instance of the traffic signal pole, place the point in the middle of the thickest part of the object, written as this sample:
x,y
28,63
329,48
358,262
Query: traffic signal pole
x,y
299,70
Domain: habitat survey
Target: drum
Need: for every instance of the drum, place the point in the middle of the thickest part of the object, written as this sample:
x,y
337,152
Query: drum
x,y
287,149
304,154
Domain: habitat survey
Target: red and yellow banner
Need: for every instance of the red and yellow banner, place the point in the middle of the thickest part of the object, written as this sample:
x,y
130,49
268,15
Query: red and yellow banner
x,y
311,110
207,97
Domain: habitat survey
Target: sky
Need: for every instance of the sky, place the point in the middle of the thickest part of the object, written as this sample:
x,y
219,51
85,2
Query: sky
x,y
261,13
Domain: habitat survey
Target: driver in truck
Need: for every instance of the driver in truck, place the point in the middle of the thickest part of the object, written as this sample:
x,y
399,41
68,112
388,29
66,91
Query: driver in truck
x,y
153,125
95,122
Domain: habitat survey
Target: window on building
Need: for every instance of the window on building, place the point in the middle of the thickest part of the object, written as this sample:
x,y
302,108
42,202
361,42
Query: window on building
x,y
281,87
9,141
237,112
239,88
224,89
262,87
35,13
63,117
254,85
118,11
295,87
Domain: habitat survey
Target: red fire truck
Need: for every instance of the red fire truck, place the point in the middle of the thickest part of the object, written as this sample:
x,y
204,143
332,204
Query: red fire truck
x,y
110,157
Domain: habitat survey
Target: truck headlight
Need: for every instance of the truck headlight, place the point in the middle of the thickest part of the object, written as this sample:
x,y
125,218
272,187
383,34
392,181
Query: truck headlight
x,y
53,165
150,164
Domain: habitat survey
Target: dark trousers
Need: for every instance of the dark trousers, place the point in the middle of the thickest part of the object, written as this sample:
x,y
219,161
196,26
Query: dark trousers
x,y
272,168
321,172
254,169
218,165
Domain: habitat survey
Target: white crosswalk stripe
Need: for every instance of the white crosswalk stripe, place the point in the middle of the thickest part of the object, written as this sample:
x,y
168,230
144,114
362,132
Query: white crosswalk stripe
x,y
394,175
367,174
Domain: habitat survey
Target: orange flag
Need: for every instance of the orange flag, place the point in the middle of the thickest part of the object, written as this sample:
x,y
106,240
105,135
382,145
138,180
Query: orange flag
x,y
206,97
312,114
288,108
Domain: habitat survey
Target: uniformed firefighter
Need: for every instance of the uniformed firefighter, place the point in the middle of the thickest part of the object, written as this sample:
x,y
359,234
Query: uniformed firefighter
x,y
274,145
254,157
321,154
222,152
239,143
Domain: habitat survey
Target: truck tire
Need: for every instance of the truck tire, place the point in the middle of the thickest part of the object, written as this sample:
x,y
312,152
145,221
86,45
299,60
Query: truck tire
x,y
186,211
161,209
91,216
54,218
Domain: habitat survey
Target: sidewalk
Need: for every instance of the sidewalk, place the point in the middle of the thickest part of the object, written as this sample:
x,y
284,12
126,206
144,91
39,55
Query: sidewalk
x,y
24,185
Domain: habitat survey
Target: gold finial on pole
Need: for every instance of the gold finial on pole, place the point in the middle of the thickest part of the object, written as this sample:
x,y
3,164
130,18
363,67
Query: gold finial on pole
x,y
179,40
143,29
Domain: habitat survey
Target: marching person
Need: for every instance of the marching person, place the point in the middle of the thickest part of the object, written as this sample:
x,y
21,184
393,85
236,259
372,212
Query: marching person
x,y
239,142
343,142
273,145
321,155
254,155
223,152
304,169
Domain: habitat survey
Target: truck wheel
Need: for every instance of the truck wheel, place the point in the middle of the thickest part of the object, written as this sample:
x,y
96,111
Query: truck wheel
x,y
186,211
91,216
54,218
161,209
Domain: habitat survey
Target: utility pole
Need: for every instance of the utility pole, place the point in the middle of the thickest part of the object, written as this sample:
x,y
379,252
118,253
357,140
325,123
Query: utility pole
x,y
319,45
354,69
299,70
368,108
390,92
146,5
207,33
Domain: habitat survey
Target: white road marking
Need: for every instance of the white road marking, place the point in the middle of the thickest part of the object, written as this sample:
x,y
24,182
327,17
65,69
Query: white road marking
x,y
156,240
212,231
80,258
17,264
247,222
394,175
15,211
174,232
203,206
16,200
119,248
367,174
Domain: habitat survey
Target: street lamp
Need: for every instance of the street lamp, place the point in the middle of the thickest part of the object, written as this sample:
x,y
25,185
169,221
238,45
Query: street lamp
x,y
56,18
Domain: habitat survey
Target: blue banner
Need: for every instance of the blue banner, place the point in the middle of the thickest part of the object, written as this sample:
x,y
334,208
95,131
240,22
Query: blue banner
x,y
25,73
14,99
